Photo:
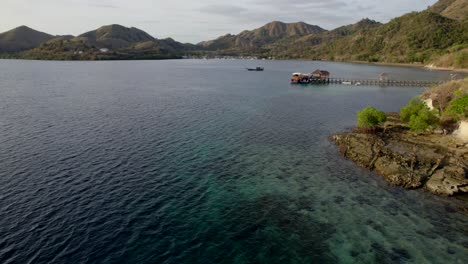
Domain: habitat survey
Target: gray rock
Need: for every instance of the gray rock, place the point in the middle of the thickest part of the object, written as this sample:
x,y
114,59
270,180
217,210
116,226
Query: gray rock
x,y
448,181
408,160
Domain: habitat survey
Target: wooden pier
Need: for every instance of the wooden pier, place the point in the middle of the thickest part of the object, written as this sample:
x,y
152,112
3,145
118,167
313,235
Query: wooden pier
x,y
346,81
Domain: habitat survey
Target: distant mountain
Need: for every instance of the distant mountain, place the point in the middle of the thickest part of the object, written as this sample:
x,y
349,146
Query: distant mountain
x,y
115,37
256,39
308,46
22,38
436,36
454,9
109,42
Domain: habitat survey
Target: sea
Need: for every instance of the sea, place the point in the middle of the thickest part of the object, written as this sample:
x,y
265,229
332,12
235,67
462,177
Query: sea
x,y
202,161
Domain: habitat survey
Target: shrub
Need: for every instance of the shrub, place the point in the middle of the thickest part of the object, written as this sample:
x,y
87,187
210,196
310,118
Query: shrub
x,y
418,116
412,108
423,120
459,107
370,117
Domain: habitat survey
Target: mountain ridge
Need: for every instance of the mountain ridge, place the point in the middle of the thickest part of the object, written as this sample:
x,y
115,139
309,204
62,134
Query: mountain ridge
x,y
436,36
253,39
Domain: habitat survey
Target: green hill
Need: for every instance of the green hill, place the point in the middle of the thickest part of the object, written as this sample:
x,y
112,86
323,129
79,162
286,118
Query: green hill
x,y
22,38
109,42
115,37
415,37
255,40
311,46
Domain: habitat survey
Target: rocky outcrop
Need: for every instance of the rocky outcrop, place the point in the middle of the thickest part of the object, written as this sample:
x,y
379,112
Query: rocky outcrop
x,y
434,162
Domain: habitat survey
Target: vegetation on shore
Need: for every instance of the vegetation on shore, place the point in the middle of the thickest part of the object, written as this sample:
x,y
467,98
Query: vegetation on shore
x,y
433,159
370,117
441,107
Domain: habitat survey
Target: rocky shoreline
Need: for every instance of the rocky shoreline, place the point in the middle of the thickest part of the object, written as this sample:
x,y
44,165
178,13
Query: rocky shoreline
x,y
435,162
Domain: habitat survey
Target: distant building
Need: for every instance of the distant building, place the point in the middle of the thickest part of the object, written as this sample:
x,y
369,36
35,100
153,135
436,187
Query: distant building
x,y
319,74
104,50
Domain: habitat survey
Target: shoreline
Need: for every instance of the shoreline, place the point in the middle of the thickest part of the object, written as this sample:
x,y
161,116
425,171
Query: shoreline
x,y
412,65
433,162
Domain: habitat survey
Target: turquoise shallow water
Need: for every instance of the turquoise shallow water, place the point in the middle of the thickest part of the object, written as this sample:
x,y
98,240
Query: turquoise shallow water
x,y
197,161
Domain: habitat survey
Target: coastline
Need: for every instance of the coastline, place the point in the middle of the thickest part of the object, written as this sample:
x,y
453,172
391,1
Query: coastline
x,y
413,65
433,162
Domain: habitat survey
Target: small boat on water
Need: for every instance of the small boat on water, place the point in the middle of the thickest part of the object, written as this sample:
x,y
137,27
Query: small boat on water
x,y
346,83
256,69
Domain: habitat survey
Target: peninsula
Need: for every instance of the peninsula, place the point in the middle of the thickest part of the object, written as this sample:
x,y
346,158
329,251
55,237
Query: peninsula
x,y
423,146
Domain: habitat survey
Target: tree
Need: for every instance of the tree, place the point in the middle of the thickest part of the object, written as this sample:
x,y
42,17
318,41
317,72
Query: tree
x,y
370,117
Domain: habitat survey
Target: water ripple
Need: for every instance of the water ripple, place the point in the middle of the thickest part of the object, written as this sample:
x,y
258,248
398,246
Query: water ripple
x,y
119,165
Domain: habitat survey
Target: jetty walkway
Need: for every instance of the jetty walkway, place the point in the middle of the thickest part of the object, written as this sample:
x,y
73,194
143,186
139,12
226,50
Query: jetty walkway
x,y
348,81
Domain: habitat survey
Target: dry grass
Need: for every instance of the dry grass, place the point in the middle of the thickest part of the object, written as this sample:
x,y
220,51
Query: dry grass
x,y
442,95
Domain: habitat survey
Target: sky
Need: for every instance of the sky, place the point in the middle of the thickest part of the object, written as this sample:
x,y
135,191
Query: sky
x,y
196,20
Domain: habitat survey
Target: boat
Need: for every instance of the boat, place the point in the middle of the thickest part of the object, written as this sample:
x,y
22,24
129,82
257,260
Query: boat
x,y
358,84
346,83
256,69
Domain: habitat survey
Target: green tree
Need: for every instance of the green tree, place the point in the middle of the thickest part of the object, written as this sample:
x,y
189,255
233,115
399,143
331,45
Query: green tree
x,y
370,117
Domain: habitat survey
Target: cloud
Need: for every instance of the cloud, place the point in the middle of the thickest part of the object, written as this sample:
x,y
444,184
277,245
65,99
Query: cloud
x,y
104,6
225,10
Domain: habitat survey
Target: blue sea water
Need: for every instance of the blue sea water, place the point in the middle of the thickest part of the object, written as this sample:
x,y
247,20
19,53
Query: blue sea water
x,y
194,161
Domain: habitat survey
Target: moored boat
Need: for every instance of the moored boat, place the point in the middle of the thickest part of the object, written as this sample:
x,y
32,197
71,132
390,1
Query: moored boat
x,y
256,69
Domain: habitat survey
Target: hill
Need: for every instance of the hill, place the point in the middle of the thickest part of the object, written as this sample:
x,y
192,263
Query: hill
x,y
22,38
436,36
311,46
415,37
115,37
109,42
454,9
256,39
